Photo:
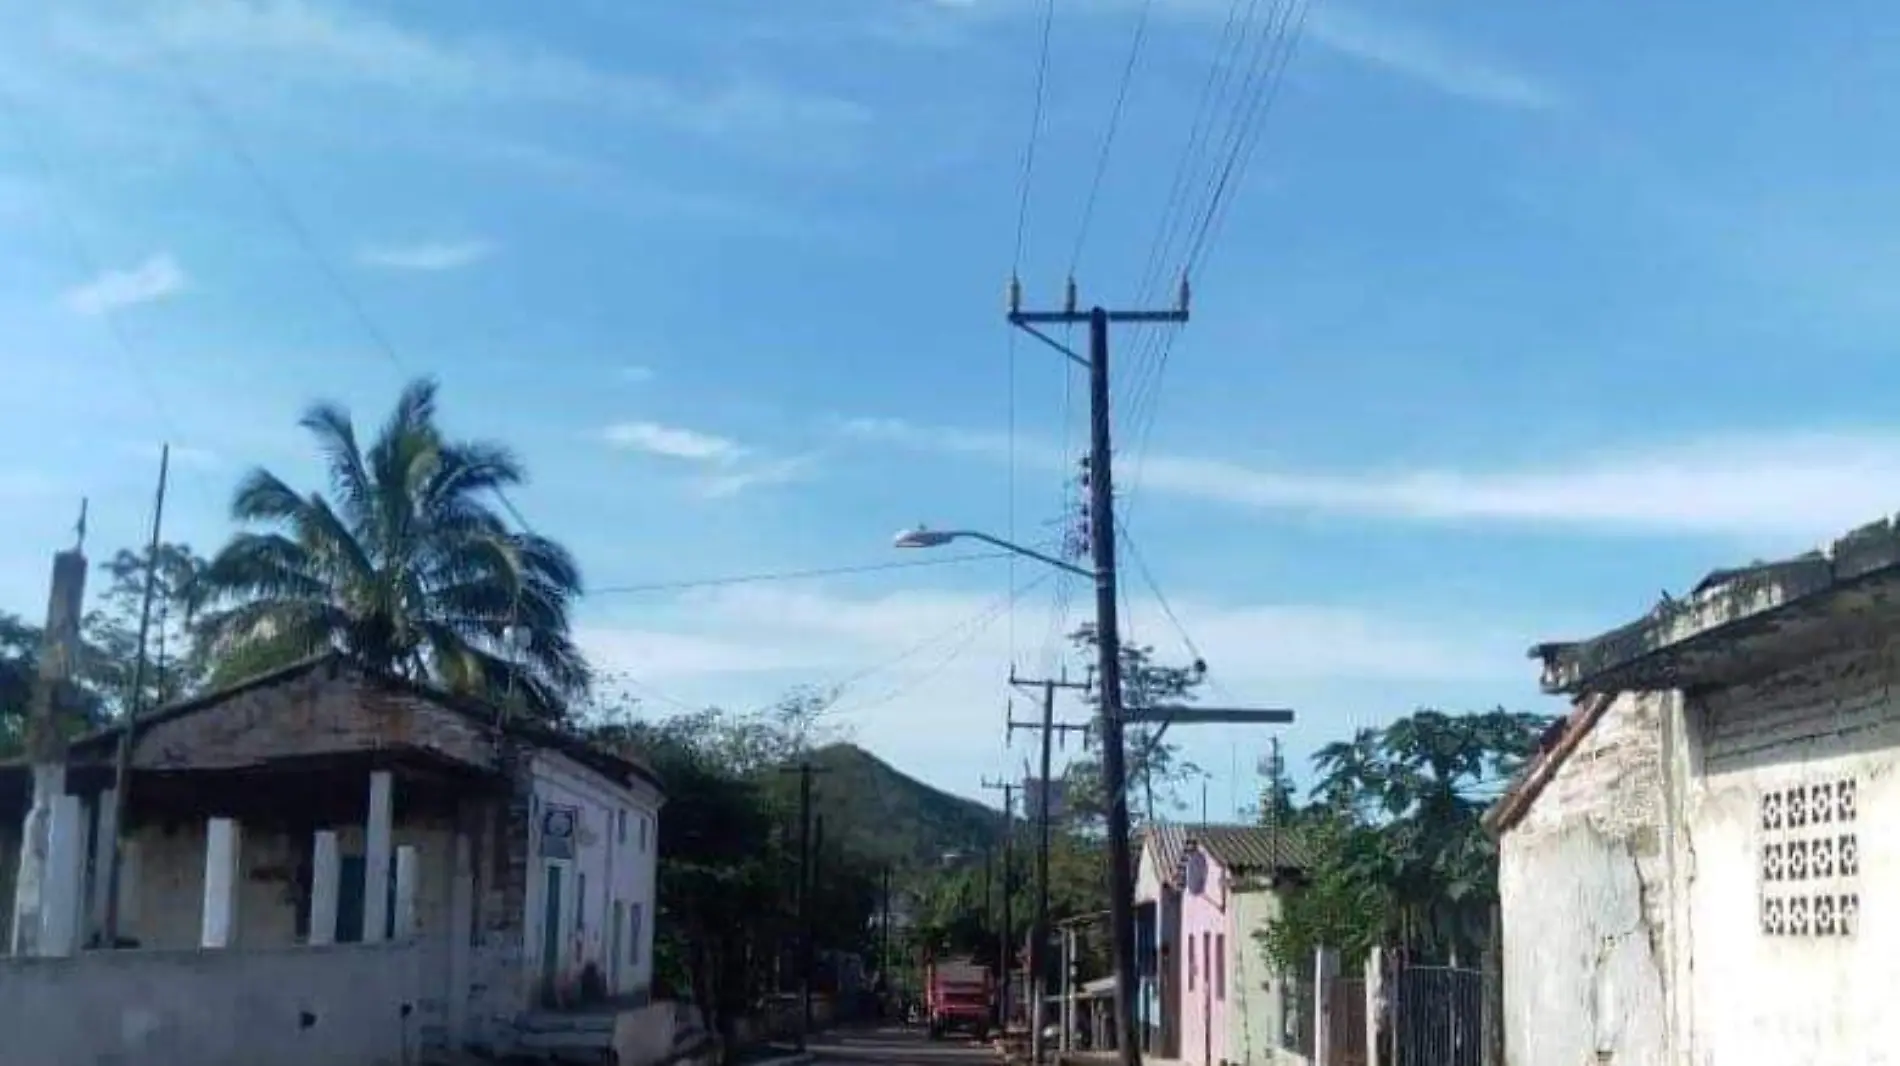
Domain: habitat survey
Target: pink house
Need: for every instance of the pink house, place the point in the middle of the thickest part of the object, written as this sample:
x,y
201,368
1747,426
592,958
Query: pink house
x,y
1204,893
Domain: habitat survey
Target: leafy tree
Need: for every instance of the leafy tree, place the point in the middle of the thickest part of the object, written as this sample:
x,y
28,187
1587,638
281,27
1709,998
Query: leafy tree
x,y
405,567
1154,765
1400,857
175,666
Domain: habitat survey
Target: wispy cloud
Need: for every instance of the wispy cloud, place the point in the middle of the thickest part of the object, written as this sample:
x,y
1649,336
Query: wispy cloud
x,y
1422,56
636,374
159,277
427,256
1784,485
673,442
757,475
723,468
301,41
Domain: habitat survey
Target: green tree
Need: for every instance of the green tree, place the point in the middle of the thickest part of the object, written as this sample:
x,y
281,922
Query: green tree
x,y
405,567
1154,766
175,666
1400,858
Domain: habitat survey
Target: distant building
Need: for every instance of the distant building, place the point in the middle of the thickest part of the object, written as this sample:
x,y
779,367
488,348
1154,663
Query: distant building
x,y
360,863
1203,894
1697,867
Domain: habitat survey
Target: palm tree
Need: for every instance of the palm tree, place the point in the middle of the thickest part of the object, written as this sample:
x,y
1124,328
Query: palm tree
x,y
405,568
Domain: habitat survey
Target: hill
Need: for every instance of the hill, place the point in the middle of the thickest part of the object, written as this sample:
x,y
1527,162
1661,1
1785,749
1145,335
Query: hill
x,y
890,817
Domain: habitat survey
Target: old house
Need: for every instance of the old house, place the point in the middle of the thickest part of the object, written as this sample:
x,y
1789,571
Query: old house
x,y
1693,869
1203,894
334,866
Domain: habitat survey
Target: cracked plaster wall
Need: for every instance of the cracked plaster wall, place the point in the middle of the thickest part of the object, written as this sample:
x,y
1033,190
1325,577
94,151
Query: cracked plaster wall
x,y
1583,882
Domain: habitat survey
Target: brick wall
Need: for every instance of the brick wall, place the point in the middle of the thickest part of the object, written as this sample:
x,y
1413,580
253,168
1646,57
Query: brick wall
x,y
1819,705
314,714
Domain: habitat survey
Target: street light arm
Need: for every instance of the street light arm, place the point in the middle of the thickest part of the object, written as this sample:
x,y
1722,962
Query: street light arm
x,y
1025,552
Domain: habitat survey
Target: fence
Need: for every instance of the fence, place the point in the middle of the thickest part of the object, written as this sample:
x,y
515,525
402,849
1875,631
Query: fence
x,y
1346,1022
1436,1016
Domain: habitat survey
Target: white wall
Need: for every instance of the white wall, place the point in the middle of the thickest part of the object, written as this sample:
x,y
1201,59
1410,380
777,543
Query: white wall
x,y
1583,890
1765,998
339,1006
616,867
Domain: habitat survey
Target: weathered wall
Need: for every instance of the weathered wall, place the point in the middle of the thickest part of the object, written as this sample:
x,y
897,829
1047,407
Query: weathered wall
x,y
1583,881
617,838
338,1006
1775,758
315,714
165,887
1253,988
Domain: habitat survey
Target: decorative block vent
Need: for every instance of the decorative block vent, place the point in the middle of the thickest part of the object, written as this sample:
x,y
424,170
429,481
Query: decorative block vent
x,y
1810,859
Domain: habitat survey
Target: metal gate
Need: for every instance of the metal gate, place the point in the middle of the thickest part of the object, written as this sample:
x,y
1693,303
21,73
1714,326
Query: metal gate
x,y
1437,1016
1346,1022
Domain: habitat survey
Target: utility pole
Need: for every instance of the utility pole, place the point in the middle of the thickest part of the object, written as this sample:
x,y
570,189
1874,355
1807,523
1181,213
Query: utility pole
x,y
1121,873
135,706
1005,941
804,770
1049,728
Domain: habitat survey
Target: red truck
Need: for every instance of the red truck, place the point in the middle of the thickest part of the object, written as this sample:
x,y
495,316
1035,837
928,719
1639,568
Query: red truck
x,y
958,995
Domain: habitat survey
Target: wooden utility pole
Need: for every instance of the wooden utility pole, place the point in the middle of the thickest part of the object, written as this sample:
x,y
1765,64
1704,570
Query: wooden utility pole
x,y
1005,940
1121,872
805,770
135,706
1048,728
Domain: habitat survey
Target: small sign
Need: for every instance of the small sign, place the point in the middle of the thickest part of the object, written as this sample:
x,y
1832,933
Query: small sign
x,y
558,831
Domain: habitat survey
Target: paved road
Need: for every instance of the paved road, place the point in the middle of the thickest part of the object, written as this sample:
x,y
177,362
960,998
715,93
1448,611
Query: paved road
x,y
904,1047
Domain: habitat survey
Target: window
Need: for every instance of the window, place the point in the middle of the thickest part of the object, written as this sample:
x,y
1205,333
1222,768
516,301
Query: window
x,y
1190,941
580,902
643,834
633,934
620,826
1220,966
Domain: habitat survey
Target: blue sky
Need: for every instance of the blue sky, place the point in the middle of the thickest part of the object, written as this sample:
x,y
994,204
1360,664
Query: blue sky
x,y
1520,315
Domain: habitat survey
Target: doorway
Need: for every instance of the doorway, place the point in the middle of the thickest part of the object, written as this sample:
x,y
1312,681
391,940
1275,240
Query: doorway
x,y
551,937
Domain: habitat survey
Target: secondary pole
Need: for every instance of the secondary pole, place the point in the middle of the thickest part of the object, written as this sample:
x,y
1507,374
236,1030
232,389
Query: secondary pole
x,y
1045,816
135,704
1006,937
804,770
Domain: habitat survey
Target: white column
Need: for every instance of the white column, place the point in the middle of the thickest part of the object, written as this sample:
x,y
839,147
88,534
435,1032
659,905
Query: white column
x,y
326,884
408,869
1375,1003
105,840
30,879
65,876
376,838
461,925
1325,973
223,849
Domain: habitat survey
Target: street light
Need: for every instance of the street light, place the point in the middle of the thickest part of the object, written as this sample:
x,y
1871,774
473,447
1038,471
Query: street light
x,y
922,537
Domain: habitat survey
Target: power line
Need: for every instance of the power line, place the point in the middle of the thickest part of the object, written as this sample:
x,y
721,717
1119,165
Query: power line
x,y
1108,138
1035,131
975,626
791,575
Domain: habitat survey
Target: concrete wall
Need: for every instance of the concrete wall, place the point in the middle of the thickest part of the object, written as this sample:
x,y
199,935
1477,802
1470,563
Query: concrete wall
x,y
1761,996
1254,1022
164,887
1207,948
339,1006
617,844
1584,887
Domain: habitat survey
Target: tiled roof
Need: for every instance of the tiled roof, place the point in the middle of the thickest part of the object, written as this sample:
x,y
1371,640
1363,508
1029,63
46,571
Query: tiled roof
x,y
1240,848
